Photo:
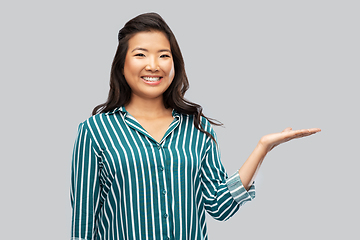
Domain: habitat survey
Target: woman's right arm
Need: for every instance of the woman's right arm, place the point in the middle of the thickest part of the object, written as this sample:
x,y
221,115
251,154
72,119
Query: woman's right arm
x,y
85,186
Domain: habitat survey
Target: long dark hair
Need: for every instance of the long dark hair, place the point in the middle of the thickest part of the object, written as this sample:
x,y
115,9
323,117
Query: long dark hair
x,y
120,91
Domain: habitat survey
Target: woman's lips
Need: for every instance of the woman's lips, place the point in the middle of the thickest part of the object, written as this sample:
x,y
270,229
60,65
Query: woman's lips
x,y
151,80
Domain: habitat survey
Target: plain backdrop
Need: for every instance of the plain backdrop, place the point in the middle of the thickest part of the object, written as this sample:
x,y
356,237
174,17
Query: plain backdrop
x,y
256,66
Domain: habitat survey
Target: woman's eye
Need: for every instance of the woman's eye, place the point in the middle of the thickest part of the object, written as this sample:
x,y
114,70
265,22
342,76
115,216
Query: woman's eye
x,y
164,56
140,55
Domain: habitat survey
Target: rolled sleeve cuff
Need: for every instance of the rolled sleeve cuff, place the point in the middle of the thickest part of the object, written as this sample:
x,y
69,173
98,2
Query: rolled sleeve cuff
x,y
238,191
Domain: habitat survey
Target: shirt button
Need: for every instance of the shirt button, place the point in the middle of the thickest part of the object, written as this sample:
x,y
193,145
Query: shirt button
x,y
159,146
165,215
167,238
161,168
164,192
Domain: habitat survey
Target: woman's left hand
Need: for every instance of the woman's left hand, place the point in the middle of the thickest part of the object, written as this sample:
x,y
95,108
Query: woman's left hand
x,y
272,140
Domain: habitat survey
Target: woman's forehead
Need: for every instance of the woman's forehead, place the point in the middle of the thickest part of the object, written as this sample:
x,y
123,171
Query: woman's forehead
x,y
151,39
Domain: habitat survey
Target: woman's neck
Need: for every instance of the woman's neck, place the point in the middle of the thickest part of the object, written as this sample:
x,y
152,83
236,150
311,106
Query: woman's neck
x,y
147,108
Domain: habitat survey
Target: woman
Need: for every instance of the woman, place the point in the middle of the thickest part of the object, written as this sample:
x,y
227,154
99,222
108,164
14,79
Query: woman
x,y
146,164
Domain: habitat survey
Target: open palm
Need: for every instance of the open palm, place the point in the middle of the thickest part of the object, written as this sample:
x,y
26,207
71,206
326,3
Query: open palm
x,y
272,140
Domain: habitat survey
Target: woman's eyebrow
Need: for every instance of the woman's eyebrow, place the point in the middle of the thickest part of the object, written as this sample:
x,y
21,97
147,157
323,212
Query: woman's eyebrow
x,y
140,49
164,50
144,49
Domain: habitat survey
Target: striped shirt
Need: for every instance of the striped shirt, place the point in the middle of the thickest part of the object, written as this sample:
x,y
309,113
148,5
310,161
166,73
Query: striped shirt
x,y
126,185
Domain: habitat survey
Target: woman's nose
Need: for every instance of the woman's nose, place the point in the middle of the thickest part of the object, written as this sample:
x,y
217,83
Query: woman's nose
x,y
152,65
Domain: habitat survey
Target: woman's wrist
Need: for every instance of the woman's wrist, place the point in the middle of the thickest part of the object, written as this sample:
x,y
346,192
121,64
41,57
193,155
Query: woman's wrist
x,y
249,169
263,146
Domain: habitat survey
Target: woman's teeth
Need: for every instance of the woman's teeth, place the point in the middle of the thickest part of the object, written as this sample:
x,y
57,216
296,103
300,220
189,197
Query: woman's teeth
x,y
151,79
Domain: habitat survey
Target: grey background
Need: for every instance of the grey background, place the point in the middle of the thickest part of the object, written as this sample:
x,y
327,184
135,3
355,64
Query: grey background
x,y
257,66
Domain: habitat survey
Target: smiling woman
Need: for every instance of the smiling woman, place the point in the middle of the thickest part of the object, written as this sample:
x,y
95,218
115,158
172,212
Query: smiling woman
x,y
149,66
146,165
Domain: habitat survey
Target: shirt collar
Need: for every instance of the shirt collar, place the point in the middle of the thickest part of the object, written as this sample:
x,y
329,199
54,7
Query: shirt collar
x,y
175,113
118,109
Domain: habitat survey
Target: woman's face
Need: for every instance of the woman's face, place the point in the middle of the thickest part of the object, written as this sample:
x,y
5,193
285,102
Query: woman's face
x,y
149,66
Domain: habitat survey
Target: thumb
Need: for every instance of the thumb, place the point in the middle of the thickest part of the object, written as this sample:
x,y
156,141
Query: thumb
x,y
287,129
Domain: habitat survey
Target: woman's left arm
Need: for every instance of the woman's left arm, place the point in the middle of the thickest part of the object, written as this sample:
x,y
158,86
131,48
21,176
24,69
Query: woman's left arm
x,y
251,166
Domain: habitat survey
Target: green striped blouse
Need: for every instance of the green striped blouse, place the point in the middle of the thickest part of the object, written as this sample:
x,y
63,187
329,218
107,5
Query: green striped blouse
x,y
126,185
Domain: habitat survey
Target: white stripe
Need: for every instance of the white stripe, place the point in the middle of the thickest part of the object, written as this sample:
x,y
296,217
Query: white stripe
x,y
88,189
172,179
81,188
186,177
179,182
193,164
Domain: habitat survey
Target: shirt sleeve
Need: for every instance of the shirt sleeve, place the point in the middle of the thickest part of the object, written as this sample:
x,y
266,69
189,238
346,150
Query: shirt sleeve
x,y
223,196
85,186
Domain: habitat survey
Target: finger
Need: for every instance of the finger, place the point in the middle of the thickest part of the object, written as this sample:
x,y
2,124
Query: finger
x,y
314,130
306,131
288,135
287,129
303,133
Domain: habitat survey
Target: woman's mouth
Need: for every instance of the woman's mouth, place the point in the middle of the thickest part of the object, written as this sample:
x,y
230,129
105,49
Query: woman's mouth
x,y
152,80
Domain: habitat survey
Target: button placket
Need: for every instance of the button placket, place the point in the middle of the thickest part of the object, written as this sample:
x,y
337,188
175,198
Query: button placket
x,y
162,191
166,192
